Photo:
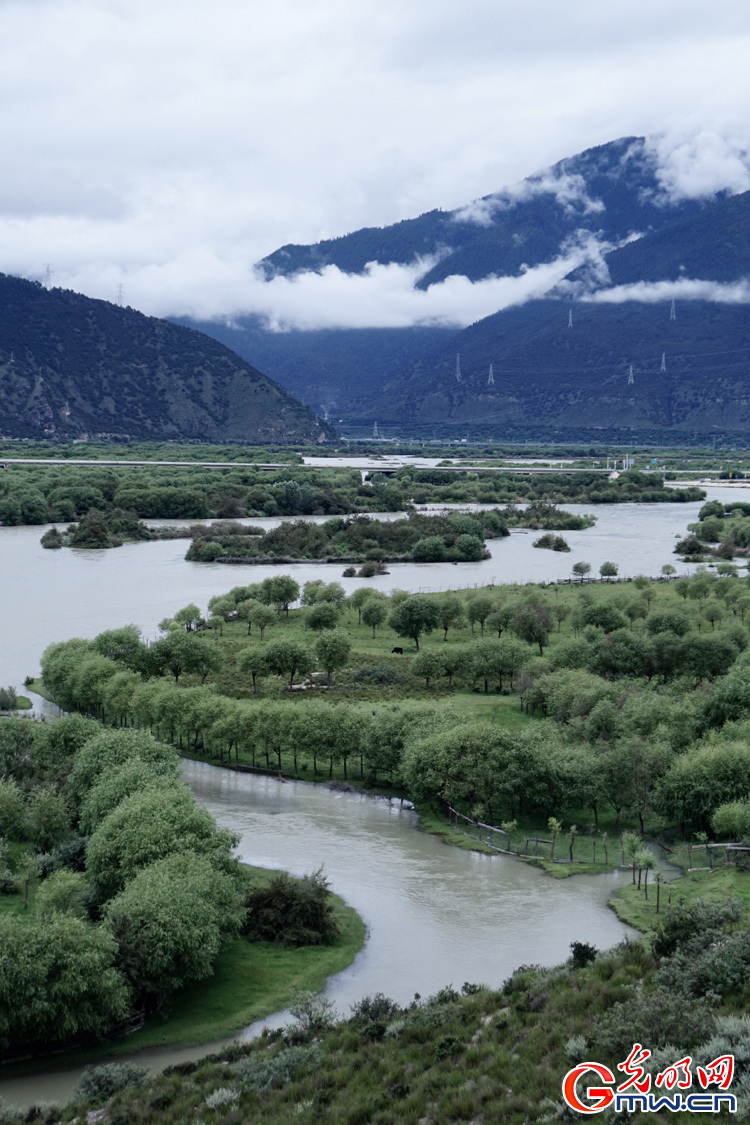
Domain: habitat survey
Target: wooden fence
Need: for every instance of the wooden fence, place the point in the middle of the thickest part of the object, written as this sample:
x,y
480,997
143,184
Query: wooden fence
x,y
499,840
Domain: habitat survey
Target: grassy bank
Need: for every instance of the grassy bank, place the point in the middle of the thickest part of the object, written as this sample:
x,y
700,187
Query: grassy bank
x,y
631,905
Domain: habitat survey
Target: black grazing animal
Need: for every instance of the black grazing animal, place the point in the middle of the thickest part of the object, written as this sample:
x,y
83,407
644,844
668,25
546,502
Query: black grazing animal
x,y
400,651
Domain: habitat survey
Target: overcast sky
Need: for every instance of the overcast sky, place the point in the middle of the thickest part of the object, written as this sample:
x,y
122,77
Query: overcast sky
x,y
167,145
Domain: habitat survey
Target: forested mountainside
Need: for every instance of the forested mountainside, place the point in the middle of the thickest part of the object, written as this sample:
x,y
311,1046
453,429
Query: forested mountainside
x,y
546,373
611,191
329,368
713,245
71,366
549,373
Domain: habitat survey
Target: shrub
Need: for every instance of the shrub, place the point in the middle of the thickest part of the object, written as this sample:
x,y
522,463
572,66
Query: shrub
x,y
8,699
99,1083
291,911
224,1096
582,954
373,1014
260,1072
378,674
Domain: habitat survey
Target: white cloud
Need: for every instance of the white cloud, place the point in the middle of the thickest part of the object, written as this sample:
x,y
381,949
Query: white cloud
x,y
171,145
685,289
383,296
699,165
568,189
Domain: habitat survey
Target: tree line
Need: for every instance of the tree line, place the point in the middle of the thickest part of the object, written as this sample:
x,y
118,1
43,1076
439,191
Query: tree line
x,y
644,700
137,886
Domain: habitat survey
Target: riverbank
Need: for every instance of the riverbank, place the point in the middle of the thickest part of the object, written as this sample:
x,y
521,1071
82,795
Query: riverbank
x,y
252,980
632,907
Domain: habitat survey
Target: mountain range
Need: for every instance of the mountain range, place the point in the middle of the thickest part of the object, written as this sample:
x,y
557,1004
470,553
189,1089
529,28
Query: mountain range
x,y
72,367
602,349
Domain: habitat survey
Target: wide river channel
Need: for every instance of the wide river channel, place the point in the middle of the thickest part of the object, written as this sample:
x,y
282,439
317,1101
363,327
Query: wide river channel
x,y
436,915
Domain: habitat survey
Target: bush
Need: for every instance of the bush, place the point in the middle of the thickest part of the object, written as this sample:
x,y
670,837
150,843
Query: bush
x,y
378,674
260,1072
656,1018
551,542
373,1014
8,699
582,954
99,1083
291,911
7,883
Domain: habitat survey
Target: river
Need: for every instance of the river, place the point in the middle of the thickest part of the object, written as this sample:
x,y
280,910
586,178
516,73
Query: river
x,y
435,915
54,595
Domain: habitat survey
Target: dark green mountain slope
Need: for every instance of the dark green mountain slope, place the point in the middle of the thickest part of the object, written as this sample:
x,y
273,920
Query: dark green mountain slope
x,y
71,366
713,245
547,374
544,373
610,191
331,367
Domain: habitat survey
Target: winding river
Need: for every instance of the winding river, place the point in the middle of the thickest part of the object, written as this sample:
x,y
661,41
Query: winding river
x,y
435,915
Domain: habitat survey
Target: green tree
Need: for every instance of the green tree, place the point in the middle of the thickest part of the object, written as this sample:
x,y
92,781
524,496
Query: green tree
x,y
358,599
111,749
188,617
479,608
117,695
429,550
291,911
124,645
114,785
170,921
59,980
532,624
451,613
332,649
180,652
413,617
427,664
281,591
608,570
62,892
149,825
288,658
374,611
322,615
261,616
469,548
252,662
581,569
11,808
47,819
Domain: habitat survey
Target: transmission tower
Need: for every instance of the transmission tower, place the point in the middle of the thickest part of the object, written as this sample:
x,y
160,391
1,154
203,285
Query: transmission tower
x,y
47,279
631,380
570,318
120,296
375,433
663,361
491,378
672,311
458,368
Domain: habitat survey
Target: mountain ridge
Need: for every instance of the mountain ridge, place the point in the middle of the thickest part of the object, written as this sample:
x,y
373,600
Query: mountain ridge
x,y
644,247
72,366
